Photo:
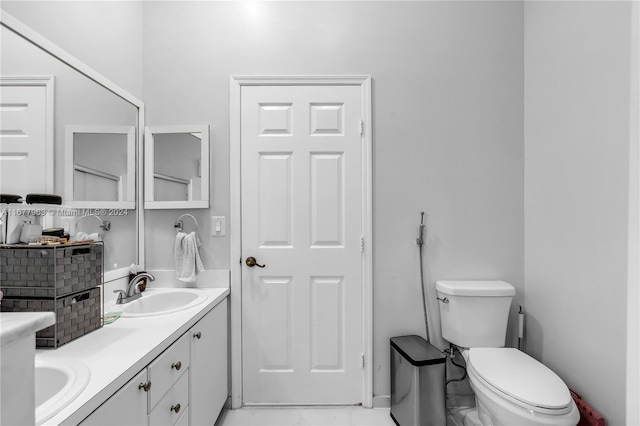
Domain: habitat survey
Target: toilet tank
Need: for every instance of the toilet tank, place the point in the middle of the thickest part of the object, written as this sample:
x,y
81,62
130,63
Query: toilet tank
x,y
474,313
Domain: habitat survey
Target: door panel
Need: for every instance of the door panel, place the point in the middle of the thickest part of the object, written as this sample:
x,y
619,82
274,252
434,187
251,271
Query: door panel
x,y
327,199
23,138
302,197
275,207
327,325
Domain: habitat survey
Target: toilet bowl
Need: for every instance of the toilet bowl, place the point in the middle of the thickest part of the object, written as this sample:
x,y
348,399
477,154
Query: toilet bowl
x,y
510,387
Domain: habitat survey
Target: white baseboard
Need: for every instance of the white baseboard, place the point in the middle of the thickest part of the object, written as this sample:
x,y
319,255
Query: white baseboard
x,y
381,401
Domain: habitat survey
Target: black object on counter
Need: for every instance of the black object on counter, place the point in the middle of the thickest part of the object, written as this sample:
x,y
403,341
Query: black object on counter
x,y
54,232
10,199
44,199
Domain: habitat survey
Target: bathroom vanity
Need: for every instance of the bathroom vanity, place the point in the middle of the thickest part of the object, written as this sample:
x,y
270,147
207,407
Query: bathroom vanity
x,y
157,369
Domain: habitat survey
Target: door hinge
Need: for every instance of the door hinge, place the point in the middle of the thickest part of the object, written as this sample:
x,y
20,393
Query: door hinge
x,y
362,361
361,244
361,126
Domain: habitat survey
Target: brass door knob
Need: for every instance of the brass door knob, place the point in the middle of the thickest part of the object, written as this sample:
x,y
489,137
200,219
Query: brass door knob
x,y
251,262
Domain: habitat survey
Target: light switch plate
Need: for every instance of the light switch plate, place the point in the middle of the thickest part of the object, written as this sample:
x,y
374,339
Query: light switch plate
x,y
218,226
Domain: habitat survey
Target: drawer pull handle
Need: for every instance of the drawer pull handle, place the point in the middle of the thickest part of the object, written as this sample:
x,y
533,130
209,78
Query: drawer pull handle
x,y
175,408
177,366
146,386
197,335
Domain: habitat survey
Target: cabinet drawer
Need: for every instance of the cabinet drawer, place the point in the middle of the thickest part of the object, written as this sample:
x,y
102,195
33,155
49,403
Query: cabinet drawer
x,y
173,406
128,406
167,368
184,419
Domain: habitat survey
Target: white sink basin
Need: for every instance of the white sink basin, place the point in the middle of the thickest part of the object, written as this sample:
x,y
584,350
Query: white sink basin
x,y
58,383
161,302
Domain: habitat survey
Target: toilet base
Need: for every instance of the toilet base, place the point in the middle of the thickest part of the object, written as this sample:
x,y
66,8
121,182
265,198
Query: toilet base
x,y
472,419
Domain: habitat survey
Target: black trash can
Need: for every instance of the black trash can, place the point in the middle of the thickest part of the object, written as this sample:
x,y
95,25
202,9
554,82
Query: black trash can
x,y
418,388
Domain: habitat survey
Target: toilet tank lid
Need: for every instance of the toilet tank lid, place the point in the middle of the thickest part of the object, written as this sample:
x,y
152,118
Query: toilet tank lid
x,y
475,288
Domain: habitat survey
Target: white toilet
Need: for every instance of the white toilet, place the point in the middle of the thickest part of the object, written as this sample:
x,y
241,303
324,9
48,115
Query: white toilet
x,y
510,387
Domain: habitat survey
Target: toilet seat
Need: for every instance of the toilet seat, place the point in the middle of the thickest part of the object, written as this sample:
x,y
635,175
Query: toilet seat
x,y
521,378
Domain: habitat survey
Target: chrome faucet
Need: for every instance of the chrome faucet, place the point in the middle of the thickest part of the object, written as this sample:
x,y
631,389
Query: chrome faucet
x,y
130,294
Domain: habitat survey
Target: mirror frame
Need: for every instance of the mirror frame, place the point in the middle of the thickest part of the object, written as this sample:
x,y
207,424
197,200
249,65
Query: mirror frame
x,y
149,202
18,27
69,165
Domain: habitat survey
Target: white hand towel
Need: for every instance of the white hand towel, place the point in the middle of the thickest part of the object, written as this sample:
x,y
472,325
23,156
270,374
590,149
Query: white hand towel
x,y
83,236
188,262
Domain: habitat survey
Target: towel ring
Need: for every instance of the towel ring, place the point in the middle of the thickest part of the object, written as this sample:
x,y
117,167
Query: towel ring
x,y
104,224
178,224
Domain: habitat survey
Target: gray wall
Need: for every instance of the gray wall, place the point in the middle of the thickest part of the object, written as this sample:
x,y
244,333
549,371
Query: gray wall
x,y
106,35
448,126
577,86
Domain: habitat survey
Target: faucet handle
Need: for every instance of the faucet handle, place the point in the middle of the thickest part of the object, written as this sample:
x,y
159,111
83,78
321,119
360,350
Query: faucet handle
x,y
121,295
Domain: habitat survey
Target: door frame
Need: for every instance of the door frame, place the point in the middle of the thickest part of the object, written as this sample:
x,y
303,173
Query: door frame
x,y
236,84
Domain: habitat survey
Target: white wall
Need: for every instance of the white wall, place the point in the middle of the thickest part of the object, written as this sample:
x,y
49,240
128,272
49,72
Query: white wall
x,y
448,127
577,86
106,35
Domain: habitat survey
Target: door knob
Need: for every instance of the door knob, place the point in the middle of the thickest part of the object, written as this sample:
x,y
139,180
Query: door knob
x,y
251,262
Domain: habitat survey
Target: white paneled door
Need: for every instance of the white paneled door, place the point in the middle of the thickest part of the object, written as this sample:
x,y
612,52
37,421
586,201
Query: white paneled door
x,y
24,119
302,222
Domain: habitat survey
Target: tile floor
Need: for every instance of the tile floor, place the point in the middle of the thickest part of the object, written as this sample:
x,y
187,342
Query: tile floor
x,y
339,416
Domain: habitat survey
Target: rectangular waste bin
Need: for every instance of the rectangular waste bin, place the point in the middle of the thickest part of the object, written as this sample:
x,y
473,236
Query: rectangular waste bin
x,y
418,388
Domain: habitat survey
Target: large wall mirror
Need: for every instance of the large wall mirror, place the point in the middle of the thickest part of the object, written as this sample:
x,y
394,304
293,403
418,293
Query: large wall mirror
x,y
177,167
92,129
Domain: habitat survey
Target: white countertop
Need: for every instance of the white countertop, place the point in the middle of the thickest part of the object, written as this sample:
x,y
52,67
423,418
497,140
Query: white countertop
x,y
16,325
118,351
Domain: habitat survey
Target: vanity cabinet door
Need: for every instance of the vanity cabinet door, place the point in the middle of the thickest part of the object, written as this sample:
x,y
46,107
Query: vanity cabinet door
x,y
208,382
128,406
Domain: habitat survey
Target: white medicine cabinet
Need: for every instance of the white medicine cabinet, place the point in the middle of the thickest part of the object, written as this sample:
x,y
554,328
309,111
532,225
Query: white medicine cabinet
x,y
176,164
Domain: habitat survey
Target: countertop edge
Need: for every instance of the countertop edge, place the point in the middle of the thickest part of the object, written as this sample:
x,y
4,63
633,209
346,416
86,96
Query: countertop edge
x,y
17,325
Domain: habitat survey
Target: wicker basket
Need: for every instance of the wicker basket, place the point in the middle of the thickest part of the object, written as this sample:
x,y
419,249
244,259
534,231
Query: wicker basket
x,y
63,279
76,315
49,271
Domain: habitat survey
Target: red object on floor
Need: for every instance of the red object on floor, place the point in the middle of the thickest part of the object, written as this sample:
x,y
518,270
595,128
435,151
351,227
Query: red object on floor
x,y
588,416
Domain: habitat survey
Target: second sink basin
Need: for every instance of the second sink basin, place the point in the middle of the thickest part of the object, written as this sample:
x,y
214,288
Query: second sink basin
x,y
58,383
162,301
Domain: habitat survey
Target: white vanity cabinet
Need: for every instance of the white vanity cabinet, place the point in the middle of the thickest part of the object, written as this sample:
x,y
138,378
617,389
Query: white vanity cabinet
x,y
208,381
185,385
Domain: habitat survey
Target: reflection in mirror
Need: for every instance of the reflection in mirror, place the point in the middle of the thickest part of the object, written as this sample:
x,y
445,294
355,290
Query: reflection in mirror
x,y
101,166
177,180
177,167
79,100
